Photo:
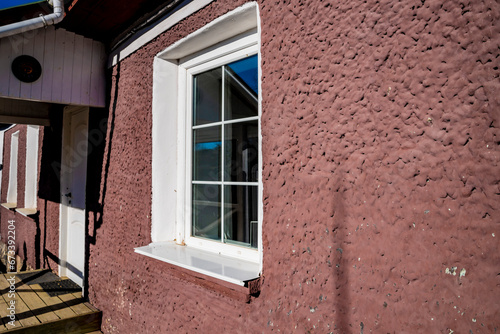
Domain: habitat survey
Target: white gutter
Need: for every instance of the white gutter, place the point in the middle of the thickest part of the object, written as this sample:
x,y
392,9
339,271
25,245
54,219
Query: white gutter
x,y
38,22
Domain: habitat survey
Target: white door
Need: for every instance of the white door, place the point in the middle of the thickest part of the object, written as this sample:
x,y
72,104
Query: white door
x,y
73,182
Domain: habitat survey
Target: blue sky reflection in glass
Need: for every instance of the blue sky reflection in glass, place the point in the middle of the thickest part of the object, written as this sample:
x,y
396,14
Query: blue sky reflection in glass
x,y
7,4
207,146
246,70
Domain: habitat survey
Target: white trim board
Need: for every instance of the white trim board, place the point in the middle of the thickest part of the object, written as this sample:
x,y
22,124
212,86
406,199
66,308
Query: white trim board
x,y
147,34
220,29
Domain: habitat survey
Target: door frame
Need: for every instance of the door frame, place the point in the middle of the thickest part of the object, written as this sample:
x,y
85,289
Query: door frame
x,y
65,181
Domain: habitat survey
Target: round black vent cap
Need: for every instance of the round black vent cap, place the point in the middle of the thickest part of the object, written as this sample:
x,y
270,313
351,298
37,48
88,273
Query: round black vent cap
x,y
26,68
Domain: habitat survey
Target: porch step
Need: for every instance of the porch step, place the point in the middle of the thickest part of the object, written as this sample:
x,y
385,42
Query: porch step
x,y
40,311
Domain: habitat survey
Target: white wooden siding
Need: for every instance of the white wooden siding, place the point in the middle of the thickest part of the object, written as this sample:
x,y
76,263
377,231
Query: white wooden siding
x,y
72,68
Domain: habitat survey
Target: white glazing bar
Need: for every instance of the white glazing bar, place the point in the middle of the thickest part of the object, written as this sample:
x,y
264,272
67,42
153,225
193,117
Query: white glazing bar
x,y
237,120
207,182
227,183
241,120
207,125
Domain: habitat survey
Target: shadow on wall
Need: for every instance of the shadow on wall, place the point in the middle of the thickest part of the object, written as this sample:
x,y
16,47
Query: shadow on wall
x,y
101,129
24,267
3,268
49,186
49,182
341,268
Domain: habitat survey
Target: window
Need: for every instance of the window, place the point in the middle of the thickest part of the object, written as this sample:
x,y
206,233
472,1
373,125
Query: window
x,y
223,153
207,188
31,171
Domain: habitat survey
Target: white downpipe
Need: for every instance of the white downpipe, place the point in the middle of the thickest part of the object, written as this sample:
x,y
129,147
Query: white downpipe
x,y
38,22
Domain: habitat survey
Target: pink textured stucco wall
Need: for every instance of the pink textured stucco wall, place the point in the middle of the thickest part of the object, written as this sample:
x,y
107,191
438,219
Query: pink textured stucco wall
x,y
381,178
385,149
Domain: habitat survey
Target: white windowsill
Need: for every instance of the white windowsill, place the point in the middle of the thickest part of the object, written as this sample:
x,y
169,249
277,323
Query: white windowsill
x,y
9,206
27,211
215,265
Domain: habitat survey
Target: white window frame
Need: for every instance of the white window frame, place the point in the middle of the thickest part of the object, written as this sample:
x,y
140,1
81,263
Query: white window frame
x,y
237,48
226,39
12,188
31,167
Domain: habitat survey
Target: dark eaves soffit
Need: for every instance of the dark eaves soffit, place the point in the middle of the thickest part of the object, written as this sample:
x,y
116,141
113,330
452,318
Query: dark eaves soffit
x,y
112,21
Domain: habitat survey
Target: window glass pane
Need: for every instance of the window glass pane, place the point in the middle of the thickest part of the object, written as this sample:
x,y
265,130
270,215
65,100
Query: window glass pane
x,y
207,154
241,88
206,211
241,158
240,215
207,92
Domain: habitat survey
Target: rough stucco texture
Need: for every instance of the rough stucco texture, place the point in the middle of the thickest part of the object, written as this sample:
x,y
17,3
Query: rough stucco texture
x,y
381,133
